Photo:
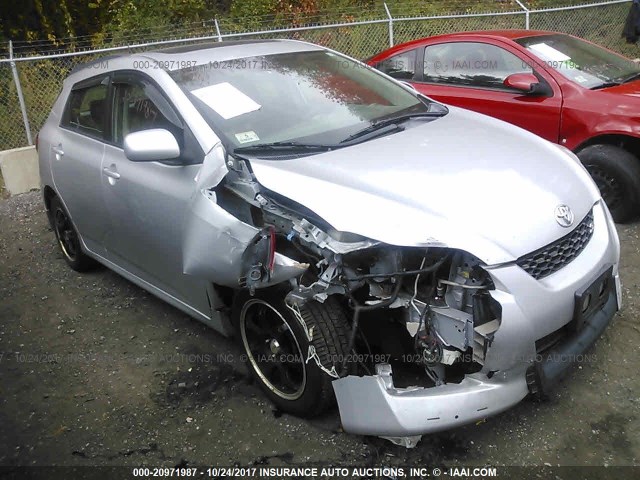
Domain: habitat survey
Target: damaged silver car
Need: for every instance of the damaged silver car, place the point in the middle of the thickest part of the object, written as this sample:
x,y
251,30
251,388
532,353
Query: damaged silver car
x,y
423,265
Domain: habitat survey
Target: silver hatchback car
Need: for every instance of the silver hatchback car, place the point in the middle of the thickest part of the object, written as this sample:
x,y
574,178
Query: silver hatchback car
x,y
423,265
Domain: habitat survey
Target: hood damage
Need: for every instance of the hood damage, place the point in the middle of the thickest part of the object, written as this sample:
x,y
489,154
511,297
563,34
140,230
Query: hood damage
x,y
422,318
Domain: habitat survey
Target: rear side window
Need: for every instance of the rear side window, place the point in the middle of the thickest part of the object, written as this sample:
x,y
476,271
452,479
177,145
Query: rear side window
x,y
86,111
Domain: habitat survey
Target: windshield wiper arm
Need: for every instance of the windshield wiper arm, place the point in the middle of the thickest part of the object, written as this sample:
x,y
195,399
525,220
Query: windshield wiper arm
x,y
389,125
286,146
376,130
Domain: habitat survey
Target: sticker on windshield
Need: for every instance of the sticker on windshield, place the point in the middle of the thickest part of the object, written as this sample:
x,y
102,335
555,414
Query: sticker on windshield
x,y
246,137
581,79
226,100
549,53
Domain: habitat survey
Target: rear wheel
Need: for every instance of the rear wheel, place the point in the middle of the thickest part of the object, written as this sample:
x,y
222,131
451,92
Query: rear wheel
x,y
67,238
616,172
281,354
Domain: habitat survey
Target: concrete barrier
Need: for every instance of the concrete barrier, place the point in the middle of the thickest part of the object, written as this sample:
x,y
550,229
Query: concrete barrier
x,y
19,168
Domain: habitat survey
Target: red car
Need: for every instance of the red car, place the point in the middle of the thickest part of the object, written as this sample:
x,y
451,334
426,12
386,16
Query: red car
x,y
565,89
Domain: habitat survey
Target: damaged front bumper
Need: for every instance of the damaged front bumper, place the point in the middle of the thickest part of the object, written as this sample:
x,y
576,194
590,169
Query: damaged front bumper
x,y
371,405
516,364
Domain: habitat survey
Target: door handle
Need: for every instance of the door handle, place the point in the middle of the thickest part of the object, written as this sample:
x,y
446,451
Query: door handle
x,y
110,173
58,150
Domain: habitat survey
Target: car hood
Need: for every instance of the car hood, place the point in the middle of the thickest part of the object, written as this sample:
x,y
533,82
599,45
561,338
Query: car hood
x,y
464,181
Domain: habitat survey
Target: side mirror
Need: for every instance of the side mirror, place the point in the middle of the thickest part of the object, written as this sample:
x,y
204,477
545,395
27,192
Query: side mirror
x,y
524,82
151,145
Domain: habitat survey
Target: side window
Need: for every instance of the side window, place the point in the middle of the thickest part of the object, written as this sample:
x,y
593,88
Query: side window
x,y
140,106
471,64
401,66
86,110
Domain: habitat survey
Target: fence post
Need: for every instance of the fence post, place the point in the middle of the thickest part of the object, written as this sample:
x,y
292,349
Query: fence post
x,y
526,13
390,24
215,20
16,80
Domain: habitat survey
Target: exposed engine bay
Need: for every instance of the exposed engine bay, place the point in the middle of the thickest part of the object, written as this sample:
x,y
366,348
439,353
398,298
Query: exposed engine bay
x,y
424,311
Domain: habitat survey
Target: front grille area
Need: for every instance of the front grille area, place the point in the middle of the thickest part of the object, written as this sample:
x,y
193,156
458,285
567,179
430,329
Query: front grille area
x,y
556,255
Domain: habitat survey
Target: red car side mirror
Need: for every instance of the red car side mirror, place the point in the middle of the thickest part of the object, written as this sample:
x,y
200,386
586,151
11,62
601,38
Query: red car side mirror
x,y
525,82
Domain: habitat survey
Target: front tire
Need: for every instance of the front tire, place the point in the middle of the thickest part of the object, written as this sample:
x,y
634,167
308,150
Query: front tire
x,y
67,237
277,348
616,172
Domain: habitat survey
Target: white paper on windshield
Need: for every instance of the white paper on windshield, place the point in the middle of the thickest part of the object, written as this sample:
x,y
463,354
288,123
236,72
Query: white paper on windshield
x,y
549,53
226,100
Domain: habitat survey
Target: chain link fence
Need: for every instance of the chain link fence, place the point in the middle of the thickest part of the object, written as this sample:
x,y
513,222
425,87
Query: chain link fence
x,y
358,34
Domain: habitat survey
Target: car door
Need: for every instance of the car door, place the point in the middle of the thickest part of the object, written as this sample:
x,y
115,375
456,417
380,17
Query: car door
x,y
77,149
470,74
147,201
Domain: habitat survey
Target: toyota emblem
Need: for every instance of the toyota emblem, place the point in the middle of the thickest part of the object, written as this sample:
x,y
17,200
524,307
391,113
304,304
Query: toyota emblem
x,y
564,216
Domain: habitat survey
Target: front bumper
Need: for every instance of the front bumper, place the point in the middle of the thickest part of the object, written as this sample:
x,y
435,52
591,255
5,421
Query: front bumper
x,y
531,310
371,405
551,366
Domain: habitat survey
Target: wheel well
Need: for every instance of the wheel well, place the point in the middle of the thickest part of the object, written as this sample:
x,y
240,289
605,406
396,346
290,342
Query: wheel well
x,y
628,143
49,193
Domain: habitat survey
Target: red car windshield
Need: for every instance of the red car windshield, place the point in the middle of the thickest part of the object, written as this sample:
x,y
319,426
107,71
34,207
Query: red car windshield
x,y
584,63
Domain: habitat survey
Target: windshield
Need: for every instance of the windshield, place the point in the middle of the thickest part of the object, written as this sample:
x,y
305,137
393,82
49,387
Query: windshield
x,y
309,97
586,64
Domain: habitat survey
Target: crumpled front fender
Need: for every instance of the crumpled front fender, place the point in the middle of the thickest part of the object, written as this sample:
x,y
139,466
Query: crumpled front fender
x,y
214,242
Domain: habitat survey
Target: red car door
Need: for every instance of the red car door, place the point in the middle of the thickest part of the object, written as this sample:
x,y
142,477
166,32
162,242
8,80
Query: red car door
x,y
470,74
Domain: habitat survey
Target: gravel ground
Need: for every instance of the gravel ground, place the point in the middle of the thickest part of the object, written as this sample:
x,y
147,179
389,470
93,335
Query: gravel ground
x,y
95,371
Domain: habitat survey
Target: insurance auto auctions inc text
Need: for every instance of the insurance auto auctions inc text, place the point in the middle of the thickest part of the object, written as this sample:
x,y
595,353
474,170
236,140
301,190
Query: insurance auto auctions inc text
x,y
374,472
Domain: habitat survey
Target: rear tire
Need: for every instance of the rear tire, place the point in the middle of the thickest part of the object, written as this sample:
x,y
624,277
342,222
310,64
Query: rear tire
x,y
67,237
616,172
277,348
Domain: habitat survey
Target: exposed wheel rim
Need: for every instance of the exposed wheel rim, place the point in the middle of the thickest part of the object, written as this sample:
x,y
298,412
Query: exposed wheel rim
x,y
610,187
66,234
273,349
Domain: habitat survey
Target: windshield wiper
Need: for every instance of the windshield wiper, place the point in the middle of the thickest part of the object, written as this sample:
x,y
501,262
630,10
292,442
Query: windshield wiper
x,y
615,83
389,125
605,85
286,146
630,78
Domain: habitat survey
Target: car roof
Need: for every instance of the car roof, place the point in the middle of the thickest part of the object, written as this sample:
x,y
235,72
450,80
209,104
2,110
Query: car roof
x,y
210,52
210,45
488,34
510,34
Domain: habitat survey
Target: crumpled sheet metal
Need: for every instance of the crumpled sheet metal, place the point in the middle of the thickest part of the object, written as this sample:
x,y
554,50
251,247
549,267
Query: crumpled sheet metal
x,y
214,241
